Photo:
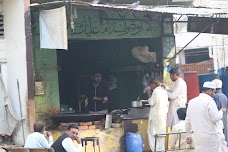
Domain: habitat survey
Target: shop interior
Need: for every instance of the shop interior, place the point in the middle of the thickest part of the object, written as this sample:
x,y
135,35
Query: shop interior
x,y
108,57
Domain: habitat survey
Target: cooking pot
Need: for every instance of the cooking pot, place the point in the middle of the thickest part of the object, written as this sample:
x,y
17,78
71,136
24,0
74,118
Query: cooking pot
x,y
136,104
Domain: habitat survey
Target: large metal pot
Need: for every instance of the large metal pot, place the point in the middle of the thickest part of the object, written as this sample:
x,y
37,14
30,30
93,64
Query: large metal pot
x,y
136,104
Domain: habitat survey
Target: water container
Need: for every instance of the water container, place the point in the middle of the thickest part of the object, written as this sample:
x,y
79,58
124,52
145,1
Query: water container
x,y
133,142
191,79
223,74
206,77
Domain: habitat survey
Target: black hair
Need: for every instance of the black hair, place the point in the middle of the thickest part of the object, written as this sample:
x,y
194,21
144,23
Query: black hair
x,y
175,71
181,112
72,126
96,72
154,81
38,126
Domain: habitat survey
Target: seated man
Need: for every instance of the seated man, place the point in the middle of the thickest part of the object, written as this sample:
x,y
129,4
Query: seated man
x,y
180,127
65,142
37,139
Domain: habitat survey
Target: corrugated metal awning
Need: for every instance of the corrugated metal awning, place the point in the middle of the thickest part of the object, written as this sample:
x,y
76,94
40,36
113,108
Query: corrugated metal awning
x,y
178,10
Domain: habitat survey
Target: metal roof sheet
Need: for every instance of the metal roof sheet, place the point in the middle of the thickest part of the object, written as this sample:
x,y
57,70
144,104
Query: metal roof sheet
x,y
166,9
180,10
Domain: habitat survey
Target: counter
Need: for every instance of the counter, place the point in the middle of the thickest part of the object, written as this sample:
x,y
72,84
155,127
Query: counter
x,y
137,126
112,139
136,113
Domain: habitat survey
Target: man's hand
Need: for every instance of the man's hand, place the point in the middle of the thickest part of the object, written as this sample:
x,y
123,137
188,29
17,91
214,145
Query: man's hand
x,y
149,92
49,133
223,109
83,97
78,139
189,140
104,100
98,98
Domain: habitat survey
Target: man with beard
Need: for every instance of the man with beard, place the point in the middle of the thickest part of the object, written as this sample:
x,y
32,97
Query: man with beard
x,y
177,97
97,94
204,119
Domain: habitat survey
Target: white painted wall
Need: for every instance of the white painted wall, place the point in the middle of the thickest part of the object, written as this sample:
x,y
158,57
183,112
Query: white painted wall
x,y
3,53
15,49
218,44
211,3
183,37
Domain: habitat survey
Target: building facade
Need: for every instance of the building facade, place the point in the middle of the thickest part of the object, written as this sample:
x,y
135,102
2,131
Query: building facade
x,y
207,46
14,48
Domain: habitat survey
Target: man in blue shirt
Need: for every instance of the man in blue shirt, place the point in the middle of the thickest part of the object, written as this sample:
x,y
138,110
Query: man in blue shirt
x,y
221,102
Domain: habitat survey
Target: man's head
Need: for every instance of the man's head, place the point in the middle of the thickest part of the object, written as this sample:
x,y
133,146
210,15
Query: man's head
x,y
218,84
39,126
72,131
153,83
112,79
174,74
181,112
209,88
97,76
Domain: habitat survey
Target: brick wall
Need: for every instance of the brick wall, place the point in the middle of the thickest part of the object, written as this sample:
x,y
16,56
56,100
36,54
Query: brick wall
x,y
200,68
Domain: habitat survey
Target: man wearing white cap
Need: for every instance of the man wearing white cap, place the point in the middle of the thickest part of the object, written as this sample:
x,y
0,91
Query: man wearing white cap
x,y
203,119
221,102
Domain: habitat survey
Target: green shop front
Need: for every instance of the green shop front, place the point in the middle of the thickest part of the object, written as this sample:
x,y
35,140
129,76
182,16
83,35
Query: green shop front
x,y
102,40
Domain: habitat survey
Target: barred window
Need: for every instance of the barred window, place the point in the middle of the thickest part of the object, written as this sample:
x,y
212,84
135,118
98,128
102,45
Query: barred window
x,y
1,26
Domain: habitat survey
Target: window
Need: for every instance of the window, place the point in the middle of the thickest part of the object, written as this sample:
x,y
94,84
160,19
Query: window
x,y
1,26
196,55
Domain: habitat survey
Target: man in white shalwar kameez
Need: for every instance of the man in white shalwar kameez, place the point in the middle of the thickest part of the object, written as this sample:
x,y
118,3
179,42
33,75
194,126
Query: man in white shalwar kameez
x,y
178,141
204,119
157,116
177,97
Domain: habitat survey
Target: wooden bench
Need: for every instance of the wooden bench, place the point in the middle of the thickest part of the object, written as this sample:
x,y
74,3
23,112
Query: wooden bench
x,y
22,149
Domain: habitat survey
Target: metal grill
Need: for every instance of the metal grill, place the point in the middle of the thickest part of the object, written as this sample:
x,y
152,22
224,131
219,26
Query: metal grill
x,y
1,26
167,135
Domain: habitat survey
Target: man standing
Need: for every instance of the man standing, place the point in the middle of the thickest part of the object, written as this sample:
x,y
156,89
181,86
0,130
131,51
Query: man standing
x,y
177,96
158,114
97,94
65,142
221,102
37,139
203,119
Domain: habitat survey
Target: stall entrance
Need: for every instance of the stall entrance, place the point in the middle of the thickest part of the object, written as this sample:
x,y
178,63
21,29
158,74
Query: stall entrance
x,y
106,56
